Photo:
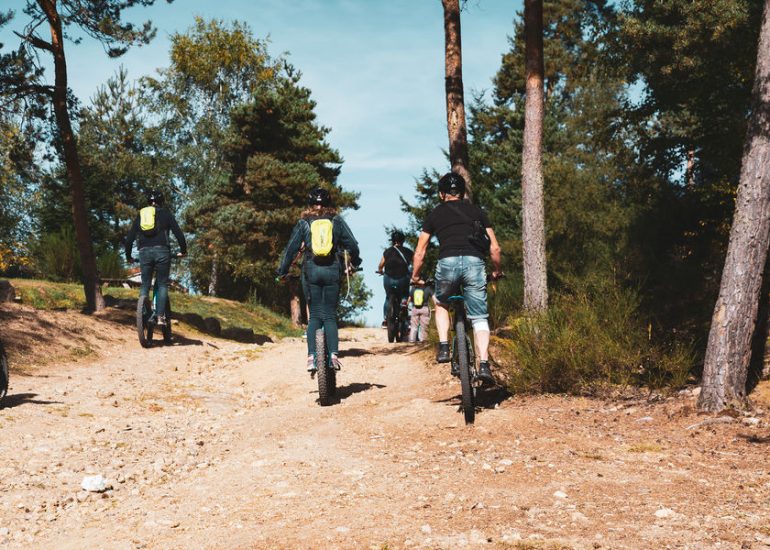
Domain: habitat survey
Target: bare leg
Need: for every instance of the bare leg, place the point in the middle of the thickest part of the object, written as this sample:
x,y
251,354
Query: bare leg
x,y
442,323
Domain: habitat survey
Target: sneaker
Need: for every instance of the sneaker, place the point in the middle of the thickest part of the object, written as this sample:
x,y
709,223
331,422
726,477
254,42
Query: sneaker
x,y
160,320
484,374
311,363
336,365
443,355
385,324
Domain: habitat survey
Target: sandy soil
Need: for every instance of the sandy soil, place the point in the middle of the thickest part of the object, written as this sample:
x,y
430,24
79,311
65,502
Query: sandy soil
x,y
214,444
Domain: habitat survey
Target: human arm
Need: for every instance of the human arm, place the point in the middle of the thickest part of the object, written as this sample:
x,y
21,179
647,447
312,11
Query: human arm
x,y
295,243
495,254
419,255
130,238
179,236
348,241
381,266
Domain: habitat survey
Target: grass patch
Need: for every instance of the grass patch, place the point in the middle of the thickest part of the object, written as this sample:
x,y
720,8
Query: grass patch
x,y
645,448
47,295
589,340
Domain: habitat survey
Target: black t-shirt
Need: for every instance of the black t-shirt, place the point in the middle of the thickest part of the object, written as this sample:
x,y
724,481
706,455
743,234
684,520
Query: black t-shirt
x,y
452,223
395,266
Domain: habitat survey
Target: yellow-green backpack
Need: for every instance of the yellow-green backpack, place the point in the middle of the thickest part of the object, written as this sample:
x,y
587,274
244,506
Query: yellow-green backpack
x,y
321,237
147,221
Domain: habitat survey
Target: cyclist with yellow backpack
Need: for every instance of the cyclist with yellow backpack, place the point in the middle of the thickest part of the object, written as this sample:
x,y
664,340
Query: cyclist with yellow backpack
x,y
324,236
150,229
419,320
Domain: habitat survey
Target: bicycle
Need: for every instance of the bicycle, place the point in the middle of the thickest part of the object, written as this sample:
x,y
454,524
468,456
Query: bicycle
x,y
147,318
396,316
3,373
464,357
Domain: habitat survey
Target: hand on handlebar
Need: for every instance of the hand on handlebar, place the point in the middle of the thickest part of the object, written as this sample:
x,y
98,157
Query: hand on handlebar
x,y
496,276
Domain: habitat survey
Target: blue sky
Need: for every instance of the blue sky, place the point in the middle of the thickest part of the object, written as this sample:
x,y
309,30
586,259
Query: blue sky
x,y
376,71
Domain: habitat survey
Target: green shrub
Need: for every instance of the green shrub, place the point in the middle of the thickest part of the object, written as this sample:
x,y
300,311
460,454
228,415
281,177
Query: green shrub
x,y
591,338
110,265
56,256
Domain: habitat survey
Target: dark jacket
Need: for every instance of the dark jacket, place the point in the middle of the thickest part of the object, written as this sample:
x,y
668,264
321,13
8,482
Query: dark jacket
x,y
165,222
342,237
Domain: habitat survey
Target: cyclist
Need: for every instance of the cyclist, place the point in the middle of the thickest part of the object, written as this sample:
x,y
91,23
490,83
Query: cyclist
x,y
461,262
323,234
419,297
150,230
394,266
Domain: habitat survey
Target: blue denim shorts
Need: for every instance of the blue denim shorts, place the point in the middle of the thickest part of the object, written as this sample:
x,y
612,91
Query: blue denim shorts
x,y
468,272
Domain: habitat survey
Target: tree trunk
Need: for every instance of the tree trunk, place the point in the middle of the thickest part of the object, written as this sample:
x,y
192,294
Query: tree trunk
x,y
533,215
729,345
214,275
455,101
296,308
91,287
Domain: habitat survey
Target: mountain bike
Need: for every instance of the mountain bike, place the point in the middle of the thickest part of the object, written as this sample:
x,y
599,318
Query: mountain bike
x,y
3,373
396,316
147,316
464,357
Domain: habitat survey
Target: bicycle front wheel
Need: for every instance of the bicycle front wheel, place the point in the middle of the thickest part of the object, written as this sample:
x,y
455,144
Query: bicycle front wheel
x,y
327,377
144,327
462,357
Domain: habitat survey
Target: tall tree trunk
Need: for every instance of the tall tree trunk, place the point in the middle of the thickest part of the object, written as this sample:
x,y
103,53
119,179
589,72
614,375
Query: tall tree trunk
x,y
296,307
91,287
455,101
533,214
214,275
729,346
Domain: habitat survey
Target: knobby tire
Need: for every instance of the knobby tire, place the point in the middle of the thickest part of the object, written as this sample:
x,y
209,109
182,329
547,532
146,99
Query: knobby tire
x,y
392,318
463,365
144,328
3,373
167,334
327,377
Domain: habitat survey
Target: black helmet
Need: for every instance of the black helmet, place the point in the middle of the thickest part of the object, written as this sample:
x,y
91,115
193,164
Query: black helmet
x,y
397,237
319,196
452,184
154,197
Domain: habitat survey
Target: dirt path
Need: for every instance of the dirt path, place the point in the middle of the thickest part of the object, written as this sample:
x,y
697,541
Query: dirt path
x,y
212,444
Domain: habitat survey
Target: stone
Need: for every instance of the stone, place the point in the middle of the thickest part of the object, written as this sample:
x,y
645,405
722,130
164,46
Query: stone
x,y
94,484
560,494
213,326
239,334
664,513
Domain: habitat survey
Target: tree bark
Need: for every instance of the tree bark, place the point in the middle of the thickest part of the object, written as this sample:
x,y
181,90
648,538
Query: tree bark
x,y
214,275
455,100
729,345
91,287
533,213
296,308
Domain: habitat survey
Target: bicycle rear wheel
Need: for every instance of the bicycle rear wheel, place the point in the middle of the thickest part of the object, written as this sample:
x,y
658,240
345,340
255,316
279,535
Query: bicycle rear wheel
x,y
462,356
3,373
144,326
327,377
392,318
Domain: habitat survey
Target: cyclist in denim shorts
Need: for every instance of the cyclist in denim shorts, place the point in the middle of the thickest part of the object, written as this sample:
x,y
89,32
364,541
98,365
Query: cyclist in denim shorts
x,y
460,263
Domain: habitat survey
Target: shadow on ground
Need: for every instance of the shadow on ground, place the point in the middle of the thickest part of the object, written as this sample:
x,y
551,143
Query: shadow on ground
x,y
16,399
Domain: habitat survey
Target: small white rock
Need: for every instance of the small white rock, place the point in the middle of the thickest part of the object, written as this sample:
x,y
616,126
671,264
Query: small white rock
x,y
94,484
560,494
645,419
426,529
342,529
664,513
